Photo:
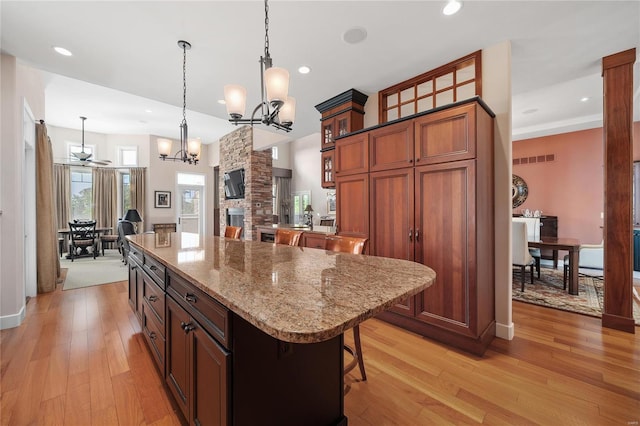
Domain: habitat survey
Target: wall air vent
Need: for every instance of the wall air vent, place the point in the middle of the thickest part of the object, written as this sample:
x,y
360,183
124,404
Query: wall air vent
x,y
534,159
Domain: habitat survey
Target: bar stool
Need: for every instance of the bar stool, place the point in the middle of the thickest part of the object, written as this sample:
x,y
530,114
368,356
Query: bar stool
x,y
352,245
288,237
233,232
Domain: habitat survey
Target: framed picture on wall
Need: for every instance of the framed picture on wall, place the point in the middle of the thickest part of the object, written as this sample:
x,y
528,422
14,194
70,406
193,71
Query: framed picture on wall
x,y
163,199
331,203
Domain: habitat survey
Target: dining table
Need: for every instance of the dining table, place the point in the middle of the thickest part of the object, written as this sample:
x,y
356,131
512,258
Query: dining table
x,y
572,245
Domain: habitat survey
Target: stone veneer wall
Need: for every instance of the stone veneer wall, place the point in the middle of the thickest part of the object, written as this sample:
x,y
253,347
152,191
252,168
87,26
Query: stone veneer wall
x,y
236,151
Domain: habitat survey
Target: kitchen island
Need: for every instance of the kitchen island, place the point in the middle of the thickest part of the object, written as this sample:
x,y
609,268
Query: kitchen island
x,y
247,332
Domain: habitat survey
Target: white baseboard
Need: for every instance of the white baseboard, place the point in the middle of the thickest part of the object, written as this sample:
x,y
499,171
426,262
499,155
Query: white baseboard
x,y
505,331
11,321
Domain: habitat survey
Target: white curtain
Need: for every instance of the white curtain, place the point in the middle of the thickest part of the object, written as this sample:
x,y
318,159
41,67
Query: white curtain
x,y
283,199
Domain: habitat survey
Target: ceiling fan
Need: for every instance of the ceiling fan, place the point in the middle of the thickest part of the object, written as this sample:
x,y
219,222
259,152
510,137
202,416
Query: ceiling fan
x,y
83,158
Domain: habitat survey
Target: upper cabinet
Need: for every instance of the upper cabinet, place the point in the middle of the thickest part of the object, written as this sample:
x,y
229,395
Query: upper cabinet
x,y
341,115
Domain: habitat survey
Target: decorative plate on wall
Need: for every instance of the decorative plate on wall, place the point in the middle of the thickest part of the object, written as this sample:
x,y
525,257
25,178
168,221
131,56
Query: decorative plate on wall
x,y
519,191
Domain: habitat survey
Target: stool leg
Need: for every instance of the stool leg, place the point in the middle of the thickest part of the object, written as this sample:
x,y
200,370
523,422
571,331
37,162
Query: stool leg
x,y
356,340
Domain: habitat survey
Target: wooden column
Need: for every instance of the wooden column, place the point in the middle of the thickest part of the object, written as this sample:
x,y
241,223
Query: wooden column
x,y
617,73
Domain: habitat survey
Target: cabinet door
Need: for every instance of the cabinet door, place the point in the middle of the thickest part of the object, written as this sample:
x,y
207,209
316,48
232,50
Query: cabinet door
x,y
210,378
352,155
328,180
352,205
312,240
135,289
445,234
328,133
391,223
177,354
391,147
448,135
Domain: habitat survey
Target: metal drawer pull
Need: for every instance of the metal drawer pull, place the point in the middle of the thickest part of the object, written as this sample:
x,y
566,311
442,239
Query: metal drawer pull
x,y
133,267
153,298
153,267
190,298
417,234
152,335
187,326
410,234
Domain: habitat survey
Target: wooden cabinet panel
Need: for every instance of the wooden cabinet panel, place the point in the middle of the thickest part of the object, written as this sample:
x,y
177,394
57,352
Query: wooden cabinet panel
x,y
134,270
447,135
445,238
177,365
210,374
312,240
352,205
352,155
391,147
154,335
153,297
391,221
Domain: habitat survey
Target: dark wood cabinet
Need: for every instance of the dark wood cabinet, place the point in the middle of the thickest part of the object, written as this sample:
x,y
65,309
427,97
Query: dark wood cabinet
x,y
352,155
135,287
352,205
431,201
197,369
341,115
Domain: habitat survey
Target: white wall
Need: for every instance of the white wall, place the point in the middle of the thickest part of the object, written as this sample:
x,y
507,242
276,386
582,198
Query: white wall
x,y
18,84
496,92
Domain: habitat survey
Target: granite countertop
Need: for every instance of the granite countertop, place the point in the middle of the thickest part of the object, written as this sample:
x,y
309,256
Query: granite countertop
x,y
294,294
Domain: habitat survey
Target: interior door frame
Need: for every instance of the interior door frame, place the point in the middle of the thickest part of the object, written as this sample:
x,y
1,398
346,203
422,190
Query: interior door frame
x,y
201,210
29,200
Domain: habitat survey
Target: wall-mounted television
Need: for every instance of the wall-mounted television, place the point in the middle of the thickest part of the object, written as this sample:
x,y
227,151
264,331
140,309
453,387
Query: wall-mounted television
x,y
234,184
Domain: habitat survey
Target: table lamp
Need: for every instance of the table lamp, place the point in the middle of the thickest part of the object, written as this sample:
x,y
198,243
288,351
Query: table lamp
x,y
134,217
308,214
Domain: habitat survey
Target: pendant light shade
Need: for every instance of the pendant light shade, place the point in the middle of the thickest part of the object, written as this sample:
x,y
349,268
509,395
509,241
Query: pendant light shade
x,y
193,147
164,146
288,111
235,96
277,82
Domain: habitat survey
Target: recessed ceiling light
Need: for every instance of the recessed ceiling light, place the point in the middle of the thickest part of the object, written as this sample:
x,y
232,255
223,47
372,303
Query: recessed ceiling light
x,y
148,111
62,51
530,111
304,69
221,102
584,99
452,6
354,35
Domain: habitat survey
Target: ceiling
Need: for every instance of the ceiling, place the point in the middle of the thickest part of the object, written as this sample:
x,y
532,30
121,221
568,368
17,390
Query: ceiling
x,y
125,74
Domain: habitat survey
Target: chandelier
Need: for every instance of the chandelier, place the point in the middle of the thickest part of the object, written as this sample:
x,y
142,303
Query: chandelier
x,y
278,110
189,148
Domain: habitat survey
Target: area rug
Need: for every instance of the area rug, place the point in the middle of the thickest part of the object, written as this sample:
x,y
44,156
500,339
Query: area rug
x,y
86,271
547,291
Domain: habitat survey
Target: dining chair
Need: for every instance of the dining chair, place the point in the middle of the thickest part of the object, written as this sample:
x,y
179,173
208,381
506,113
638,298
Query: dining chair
x,y
533,234
520,255
83,237
353,245
125,228
288,237
233,232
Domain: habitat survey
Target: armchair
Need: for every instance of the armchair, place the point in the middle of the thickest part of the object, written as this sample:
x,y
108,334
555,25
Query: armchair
x,y
520,255
124,228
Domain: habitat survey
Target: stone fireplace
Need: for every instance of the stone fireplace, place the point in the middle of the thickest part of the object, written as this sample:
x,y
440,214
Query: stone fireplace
x,y
236,151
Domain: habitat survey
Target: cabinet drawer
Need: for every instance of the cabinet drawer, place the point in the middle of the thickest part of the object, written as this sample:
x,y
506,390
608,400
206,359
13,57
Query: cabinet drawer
x,y
155,269
213,317
136,253
314,241
153,298
154,336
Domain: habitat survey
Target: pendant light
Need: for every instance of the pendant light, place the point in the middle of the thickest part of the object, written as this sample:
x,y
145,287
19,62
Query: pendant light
x,y
189,148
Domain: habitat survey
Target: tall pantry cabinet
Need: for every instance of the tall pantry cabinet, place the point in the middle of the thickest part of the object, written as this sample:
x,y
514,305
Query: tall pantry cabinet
x,y
430,190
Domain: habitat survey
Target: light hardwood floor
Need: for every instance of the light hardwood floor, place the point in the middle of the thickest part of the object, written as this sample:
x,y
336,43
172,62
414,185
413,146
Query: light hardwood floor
x,y
79,359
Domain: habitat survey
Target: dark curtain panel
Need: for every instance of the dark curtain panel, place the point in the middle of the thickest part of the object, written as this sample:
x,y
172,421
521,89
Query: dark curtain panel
x,y
48,263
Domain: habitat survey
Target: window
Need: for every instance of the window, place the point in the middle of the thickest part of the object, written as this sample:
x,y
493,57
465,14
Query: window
x,y
455,81
125,192
274,152
81,193
190,179
128,156
301,199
